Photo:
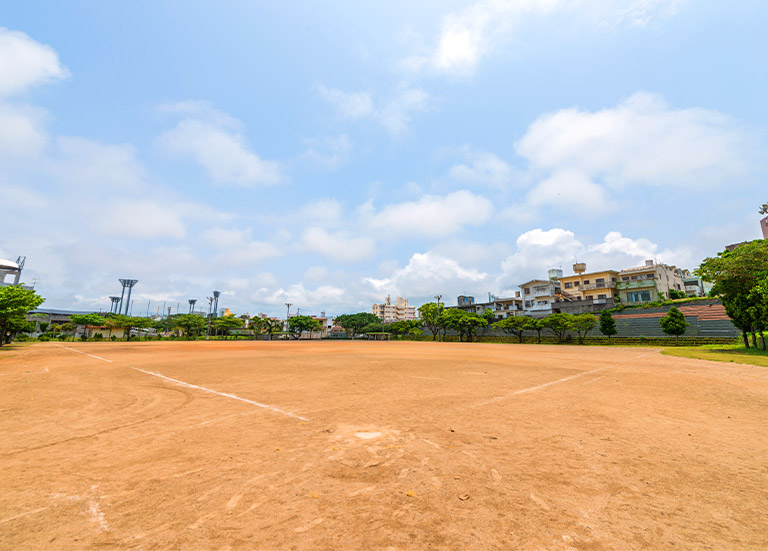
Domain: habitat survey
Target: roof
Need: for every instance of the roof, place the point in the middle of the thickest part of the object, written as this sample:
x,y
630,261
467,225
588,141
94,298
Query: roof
x,y
6,264
536,281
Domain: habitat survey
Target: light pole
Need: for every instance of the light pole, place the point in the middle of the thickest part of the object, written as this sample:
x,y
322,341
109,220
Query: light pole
x,y
210,305
438,297
287,314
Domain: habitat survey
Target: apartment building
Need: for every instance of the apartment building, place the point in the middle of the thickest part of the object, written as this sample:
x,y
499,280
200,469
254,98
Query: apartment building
x,y
501,307
696,287
649,282
539,295
400,311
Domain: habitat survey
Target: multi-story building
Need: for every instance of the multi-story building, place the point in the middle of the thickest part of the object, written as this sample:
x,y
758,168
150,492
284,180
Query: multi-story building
x,y
696,287
400,311
650,282
501,307
539,295
588,292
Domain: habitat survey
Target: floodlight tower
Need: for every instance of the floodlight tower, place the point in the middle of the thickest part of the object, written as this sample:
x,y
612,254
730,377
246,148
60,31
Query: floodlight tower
x,y
192,302
216,295
287,314
20,261
115,301
126,283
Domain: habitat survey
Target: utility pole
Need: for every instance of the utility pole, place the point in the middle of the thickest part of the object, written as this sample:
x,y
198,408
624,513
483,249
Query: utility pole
x,y
287,314
438,297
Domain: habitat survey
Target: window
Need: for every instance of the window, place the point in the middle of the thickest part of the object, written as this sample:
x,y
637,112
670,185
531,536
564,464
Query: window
x,y
639,296
575,283
600,280
600,296
625,278
613,279
586,282
527,291
568,285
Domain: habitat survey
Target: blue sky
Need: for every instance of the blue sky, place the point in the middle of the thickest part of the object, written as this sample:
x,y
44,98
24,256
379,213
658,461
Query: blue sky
x,y
330,154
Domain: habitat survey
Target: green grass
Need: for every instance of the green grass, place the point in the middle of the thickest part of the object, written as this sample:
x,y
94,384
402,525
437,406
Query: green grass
x,y
721,353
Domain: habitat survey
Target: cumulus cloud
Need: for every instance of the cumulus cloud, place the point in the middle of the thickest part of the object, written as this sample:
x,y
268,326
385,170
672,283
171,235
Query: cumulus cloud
x,y
236,246
339,245
22,131
434,215
144,220
468,36
484,168
25,62
89,164
322,296
328,152
393,112
217,143
569,189
429,273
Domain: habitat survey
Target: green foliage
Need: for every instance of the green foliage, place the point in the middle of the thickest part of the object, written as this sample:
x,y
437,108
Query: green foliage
x,y
513,325
583,324
607,324
430,317
298,324
15,302
354,323
536,325
466,324
191,324
376,327
558,324
763,208
225,324
674,294
404,327
674,323
271,326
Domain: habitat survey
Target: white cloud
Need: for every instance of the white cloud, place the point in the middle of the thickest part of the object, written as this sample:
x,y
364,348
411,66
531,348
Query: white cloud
x,y
614,242
25,63
427,274
329,152
570,189
640,141
433,215
22,132
143,220
484,168
468,36
394,112
216,142
300,296
93,165
236,247
338,245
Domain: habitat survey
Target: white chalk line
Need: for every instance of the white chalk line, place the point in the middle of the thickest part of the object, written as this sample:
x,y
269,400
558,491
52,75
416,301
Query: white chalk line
x,y
539,387
224,394
84,353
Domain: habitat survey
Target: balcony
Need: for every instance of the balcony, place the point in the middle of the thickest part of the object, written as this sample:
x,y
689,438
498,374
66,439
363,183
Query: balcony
x,y
595,286
539,308
640,284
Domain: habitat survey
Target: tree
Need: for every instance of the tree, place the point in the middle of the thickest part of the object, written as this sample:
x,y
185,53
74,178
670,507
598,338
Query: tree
x,y
375,327
763,208
190,324
607,324
227,324
404,327
734,275
559,324
430,317
583,324
674,323
271,326
513,325
128,323
674,294
94,320
298,324
15,302
354,323
466,324
536,325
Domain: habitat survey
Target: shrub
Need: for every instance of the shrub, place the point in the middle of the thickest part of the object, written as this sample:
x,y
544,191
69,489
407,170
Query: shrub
x,y
98,337
113,338
22,337
43,338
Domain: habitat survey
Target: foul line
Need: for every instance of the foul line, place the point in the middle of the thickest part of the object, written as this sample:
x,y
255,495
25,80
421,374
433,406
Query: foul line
x,y
79,352
539,387
225,394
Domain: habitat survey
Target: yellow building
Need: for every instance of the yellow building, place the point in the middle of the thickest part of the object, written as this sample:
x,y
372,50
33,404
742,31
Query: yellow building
x,y
400,311
594,286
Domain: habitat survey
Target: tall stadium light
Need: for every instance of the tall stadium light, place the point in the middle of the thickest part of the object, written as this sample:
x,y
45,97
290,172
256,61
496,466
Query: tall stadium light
x,y
20,263
192,302
113,307
129,283
438,297
210,305
287,314
215,302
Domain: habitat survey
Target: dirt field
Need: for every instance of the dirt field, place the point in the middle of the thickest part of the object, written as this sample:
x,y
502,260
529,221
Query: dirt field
x,y
363,445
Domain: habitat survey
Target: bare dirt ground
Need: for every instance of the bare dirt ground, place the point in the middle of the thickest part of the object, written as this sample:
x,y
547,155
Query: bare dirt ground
x,y
379,446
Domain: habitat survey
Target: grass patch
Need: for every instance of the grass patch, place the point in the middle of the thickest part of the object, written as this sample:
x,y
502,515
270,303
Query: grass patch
x,y
721,353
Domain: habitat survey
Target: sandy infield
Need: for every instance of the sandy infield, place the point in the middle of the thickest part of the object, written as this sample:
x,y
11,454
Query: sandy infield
x,y
378,446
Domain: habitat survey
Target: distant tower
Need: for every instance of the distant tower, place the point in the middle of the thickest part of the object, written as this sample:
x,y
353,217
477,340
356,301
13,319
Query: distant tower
x,y
192,302
126,283
579,268
115,302
216,295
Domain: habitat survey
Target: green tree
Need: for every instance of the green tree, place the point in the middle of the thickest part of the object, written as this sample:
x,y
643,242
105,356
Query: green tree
x,y
15,302
763,208
734,275
513,325
607,324
466,324
191,324
674,323
225,324
298,324
583,324
674,294
537,325
559,324
354,323
94,320
430,317
375,327
404,327
271,326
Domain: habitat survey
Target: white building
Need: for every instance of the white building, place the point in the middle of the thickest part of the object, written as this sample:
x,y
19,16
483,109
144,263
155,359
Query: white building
x,y
400,311
540,294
